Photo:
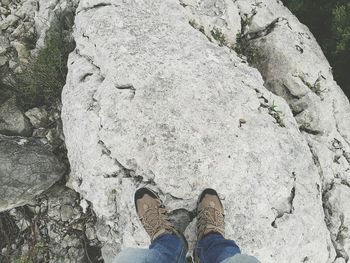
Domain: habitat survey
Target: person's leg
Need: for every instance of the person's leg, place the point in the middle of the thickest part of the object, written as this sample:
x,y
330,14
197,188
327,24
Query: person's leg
x,y
137,255
171,247
167,248
211,245
167,244
214,248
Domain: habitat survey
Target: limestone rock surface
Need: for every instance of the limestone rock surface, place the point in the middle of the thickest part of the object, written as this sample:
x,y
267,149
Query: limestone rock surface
x,y
157,94
27,168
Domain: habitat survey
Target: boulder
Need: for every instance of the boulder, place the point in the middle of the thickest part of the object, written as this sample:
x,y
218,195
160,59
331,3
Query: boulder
x,y
12,119
38,117
27,168
154,99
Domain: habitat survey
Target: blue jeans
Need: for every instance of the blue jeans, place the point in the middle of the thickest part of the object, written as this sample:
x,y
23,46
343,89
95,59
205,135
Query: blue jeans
x,y
169,248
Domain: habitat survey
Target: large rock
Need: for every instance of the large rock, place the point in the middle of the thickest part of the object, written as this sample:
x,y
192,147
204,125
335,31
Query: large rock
x,y
149,100
294,67
12,120
27,168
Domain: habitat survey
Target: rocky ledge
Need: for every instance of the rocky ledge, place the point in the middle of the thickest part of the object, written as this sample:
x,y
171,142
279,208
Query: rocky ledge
x,y
233,95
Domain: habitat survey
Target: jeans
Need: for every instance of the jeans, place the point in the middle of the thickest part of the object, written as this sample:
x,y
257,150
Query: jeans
x,y
170,248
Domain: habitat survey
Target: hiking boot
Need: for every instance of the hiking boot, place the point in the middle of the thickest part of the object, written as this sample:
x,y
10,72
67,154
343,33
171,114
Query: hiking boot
x,y
152,213
210,214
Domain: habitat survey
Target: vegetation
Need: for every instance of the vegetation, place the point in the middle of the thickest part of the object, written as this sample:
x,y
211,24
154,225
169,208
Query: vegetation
x,y
276,114
42,79
329,21
219,37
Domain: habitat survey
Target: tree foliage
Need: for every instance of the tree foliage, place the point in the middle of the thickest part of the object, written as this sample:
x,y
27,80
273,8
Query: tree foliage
x,y
329,21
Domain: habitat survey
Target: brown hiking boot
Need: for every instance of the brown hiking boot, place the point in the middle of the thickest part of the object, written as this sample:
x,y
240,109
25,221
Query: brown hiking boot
x,y
210,214
152,213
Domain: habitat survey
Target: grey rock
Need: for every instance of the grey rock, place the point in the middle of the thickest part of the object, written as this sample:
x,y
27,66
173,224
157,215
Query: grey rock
x,y
150,100
57,240
8,21
12,120
38,117
27,168
294,67
3,60
337,212
21,50
4,45
5,2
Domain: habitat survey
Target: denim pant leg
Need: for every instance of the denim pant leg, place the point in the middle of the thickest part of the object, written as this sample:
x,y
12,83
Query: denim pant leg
x,y
167,248
214,248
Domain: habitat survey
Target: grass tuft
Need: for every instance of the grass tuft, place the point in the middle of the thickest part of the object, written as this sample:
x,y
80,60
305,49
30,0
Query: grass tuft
x,y
42,79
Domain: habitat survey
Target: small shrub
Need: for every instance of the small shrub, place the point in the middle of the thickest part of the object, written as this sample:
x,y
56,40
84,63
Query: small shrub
x,y
219,36
276,114
316,87
42,79
241,46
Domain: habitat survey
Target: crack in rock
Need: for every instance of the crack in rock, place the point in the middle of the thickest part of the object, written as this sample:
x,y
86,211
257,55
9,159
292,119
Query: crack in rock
x,y
125,172
339,151
306,127
129,87
290,201
94,7
266,30
271,109
337,238
327,208
337,125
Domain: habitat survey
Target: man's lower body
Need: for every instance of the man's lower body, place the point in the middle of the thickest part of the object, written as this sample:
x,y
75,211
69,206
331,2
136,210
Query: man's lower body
x,y
168,245
170,248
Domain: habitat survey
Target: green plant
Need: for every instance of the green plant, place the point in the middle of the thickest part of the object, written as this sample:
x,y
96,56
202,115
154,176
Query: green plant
x,y
218,36
241,44
193,23
276,114
316,87
42,79
341,27
305,126
30,39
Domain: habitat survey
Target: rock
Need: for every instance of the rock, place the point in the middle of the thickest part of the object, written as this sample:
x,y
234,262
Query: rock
x,y
150,100
4,45
40,132
285,53
8,21
294,67
57,239
218,20
3,60
27,168
22,52
38,117
5,2
337,201
12,120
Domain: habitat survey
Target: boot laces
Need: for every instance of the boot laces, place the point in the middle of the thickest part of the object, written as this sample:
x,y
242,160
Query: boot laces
x,y
156,219
210,218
